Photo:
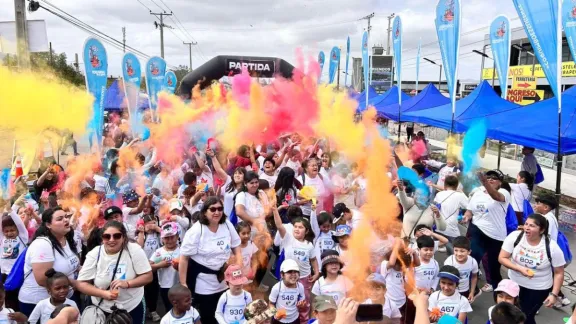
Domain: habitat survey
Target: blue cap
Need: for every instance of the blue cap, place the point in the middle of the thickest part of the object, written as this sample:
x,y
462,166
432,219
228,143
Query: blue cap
x,y
342,230
449,276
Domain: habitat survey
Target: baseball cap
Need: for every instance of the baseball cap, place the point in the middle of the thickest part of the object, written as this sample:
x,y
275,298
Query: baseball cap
x,y
175,204
342,230
547,199
130,195
289,265
323,303
497,173
330,256
111,211
377,278
338,211
450,273
234,275
510,287
169,229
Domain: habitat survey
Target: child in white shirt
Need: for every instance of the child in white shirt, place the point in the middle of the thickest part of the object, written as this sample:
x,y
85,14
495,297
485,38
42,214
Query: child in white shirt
x,y
165,261
467,267
448,301
332,283
58,286
288,294
392,269
427,272
231,305
182,311
321,226
249,250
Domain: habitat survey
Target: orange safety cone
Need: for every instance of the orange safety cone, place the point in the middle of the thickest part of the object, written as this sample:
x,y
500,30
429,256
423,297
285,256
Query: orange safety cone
x,y
18,169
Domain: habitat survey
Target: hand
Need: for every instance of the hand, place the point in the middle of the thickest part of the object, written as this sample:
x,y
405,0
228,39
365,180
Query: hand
x,y
550,301
400,185
426,232
109,295
346,312
467,217
119,284
313,278
301,304
471,296
421,300
141,229
173,218
210,153
526,272
163,264
18,317
435,209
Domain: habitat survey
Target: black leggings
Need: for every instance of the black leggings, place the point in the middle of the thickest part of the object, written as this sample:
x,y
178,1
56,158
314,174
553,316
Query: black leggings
x,y
11,300
482,244
151,292
165,300
531,301
206,306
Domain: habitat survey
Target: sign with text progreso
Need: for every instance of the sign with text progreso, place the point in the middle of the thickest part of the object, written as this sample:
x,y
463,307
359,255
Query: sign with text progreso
x,y
568,70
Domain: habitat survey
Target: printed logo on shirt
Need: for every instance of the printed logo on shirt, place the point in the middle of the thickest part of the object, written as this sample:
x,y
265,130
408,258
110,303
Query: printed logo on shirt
x,y
529,258
301,254
74,262
11,249
481,208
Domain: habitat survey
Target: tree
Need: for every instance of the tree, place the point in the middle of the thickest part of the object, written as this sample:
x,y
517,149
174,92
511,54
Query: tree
x,y
55,63
180,72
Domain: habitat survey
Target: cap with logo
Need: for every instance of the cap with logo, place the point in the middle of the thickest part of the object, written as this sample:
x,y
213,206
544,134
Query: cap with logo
x,y
130,195
234,276
111,211
339,210
169,229
323,303
342,230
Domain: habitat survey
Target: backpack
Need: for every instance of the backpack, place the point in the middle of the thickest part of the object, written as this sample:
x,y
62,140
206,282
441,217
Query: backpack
x,y
564,246
539,176
16,278
511,220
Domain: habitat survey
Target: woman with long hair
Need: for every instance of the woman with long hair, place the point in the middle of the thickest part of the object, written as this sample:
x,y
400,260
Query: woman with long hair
x,y
232,184
249,203
116,264
285,187
205,251
53,246
535,263
311,177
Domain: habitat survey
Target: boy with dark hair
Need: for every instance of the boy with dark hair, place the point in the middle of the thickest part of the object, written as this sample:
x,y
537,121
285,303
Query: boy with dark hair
x,y
448,301
190,180
467,266
506,313
427,272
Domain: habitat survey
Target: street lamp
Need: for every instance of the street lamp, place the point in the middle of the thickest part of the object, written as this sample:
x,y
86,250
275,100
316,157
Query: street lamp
x,y
485,56
521,49
439,65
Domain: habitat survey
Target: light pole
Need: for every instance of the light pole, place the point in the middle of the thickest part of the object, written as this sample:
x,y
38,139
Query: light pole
x,y
521,49
440,66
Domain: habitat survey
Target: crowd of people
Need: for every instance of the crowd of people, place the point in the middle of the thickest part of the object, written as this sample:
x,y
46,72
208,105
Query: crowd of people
x,y
261,235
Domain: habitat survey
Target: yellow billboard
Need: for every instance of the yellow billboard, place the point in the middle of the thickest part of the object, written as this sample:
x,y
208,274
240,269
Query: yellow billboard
x,y
568,70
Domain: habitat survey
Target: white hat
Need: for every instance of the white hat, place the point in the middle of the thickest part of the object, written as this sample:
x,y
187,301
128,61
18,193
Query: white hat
x,y
289,265
175,204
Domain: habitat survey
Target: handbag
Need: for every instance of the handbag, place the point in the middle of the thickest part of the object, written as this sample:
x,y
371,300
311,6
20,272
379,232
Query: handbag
x,y
94,314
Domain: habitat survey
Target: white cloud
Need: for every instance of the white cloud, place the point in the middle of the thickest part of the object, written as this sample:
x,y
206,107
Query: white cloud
x,y
266,28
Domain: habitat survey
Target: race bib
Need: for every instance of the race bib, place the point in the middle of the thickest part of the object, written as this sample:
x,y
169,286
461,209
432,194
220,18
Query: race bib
x,y
74,263
327,244
120,272
529,259
288,299
449,308
220,243
234,313
301,254
185,320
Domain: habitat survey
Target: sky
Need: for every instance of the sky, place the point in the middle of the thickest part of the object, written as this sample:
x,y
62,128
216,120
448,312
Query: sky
x,y
268,28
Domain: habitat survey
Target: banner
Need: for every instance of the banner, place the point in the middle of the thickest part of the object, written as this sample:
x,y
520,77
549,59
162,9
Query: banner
x,y
321,60
155,73
541,21
334,63
448,20
397,44
500,42
418,64
569,24
347,59
96,73
365,64
132,74
170,82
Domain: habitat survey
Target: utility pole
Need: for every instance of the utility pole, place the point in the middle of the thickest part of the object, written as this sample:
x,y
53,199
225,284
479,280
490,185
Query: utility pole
x,y
51,59
21,34
389,31
190,51
76,63
124,39
368,29
161,25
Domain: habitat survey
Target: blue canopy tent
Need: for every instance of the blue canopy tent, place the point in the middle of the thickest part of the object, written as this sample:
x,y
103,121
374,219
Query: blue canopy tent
x,y
114,98
362,95
481,103
535,125
428,98
387,98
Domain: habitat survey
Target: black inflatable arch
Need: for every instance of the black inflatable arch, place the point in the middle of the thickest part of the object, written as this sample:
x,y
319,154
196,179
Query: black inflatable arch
x,y
225,65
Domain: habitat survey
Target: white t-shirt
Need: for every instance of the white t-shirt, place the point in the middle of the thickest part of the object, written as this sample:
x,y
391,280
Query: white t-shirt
x,y
520,192
489,215
534,258
247,253
230,308
192,316
451,202
206,177
449,305
289,229
356,219
99,267
444,172
228,196
167,277
12,248
41,251
490,314
466,270
552,225
253,207
389,309
44,309
131,220
324,242
301,252
271,179
337,289
4,316
427,275
211,250
151,243
287,298
395,290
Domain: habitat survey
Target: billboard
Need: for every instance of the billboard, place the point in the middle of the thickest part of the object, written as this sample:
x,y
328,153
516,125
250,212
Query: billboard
x,y
381,72
37,36
357,76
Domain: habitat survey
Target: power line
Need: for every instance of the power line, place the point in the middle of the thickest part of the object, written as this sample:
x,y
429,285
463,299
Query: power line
x,y
145,6
254,29
158,6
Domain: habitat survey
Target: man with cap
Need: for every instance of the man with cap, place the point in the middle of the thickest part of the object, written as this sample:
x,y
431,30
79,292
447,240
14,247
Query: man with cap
x,y
529,164
114,213
344,215
324,309
545,205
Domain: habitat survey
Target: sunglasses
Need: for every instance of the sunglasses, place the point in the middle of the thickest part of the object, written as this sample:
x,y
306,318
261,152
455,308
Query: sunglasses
x,y
116,236
215,209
